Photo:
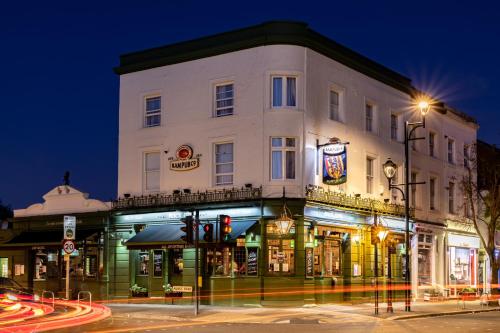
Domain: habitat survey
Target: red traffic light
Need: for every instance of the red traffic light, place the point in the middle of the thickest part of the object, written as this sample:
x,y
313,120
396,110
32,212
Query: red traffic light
x,y
226,220
207,227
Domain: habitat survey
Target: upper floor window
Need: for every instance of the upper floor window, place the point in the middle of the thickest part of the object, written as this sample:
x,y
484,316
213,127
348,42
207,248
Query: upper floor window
x,y
466,155
394,127
369,175
413,189
283,153
432,144
224,167
369,117
224,99
284,91
152,171
152,115
334,105
432,193
451,151
451,198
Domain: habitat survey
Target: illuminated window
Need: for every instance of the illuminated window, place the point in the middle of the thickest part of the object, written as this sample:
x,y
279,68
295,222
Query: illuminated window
x,y
152,115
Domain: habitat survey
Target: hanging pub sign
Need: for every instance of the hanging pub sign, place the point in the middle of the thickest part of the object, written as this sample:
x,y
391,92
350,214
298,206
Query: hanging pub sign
x,y
184,160
334,164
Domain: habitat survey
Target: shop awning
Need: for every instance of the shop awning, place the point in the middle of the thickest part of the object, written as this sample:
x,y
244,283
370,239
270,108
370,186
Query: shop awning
x,y
156,236
45,237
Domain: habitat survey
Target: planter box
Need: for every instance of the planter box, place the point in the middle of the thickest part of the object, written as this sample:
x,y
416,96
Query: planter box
x,y
173,295
140,294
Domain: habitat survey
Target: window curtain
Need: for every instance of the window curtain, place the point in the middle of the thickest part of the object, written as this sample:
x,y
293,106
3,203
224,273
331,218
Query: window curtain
x,y
290,91
276,165
277,91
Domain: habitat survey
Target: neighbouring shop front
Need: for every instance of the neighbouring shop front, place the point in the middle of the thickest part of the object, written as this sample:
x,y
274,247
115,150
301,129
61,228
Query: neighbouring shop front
x,y
37,258
462,261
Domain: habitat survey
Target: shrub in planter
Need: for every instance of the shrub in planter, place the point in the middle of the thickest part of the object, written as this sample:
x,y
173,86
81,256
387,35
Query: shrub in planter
x,y
138,291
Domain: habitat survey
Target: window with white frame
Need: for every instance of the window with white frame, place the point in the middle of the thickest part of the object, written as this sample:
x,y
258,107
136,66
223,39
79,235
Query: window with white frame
x,y
224,99
451,151
224,163
394,127
451,198
283,154
432,193
432,144
284,91
413,189
369,175
335,105
152,171
369,117
152,112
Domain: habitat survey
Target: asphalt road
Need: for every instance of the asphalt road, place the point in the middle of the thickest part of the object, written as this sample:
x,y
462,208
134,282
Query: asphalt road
x,y
278,321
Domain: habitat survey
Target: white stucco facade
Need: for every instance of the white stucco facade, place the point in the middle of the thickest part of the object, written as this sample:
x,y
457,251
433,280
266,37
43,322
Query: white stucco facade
x,y
187,91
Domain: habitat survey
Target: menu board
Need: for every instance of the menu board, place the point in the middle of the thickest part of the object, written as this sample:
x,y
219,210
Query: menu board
x,y
158,263
252,261
309,261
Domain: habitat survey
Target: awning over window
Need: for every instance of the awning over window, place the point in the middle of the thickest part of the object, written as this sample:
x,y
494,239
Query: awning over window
x,y
156,236
45,237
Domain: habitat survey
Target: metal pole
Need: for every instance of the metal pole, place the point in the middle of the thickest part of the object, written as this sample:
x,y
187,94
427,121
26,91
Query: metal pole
x,y
196,264
389,277
376,277
407,218
66,258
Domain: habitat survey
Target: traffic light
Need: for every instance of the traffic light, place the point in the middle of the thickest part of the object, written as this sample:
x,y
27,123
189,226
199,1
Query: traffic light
x,y
188,229
224,228
209,232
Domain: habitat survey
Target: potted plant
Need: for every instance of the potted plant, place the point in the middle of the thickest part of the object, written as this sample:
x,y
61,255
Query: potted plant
x,y
138,291
170,293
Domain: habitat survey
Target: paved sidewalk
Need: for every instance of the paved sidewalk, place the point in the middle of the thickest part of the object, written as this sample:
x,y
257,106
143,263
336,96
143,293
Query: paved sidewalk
x,y
321,313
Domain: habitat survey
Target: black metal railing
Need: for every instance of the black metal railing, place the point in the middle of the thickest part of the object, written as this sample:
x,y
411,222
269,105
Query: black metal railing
x,y
339,199
181,198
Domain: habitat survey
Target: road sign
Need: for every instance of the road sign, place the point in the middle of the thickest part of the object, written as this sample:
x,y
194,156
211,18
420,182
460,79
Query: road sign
x,y
69,246
69,227
182,289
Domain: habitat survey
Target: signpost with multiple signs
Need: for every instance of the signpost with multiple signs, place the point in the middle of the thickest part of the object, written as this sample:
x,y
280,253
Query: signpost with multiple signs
x,y
69,246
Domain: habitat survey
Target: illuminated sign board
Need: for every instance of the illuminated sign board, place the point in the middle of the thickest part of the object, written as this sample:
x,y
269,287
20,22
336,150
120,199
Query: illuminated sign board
x,y
334,164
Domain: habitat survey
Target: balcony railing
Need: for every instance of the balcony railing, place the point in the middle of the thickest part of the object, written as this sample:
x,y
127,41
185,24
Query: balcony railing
x,y
181,198
319,195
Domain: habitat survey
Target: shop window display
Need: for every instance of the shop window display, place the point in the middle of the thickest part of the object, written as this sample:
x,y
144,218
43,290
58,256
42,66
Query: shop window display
x,y
424,259
143,263
281,256
460,270
178,261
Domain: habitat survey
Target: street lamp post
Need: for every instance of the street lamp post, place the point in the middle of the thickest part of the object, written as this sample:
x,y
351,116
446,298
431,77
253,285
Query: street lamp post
x,y
379,234
390,169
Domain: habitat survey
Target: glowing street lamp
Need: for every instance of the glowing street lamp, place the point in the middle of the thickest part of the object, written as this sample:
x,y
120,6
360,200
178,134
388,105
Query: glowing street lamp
x,y
390,169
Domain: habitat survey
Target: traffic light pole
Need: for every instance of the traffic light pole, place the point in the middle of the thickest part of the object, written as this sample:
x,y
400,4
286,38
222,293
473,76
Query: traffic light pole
x,y
196,263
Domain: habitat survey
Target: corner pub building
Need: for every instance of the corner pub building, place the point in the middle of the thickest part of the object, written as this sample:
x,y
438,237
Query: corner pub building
x,y
240,124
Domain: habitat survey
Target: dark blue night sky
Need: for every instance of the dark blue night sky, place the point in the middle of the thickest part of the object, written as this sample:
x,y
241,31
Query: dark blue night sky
x,y
59,96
